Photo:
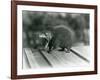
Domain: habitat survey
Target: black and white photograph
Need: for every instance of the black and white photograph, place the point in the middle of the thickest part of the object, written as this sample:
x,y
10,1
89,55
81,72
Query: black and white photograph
x,y
55,39
50,39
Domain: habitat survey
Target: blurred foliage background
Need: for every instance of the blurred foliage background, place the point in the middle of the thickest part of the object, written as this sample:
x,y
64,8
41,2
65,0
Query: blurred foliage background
x,y
34,21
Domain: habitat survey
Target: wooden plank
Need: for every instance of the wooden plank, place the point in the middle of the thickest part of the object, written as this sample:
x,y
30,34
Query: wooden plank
x,y
75,60
53,60
59,56
25,61
82,51
40,59
69,59
32,61
62,58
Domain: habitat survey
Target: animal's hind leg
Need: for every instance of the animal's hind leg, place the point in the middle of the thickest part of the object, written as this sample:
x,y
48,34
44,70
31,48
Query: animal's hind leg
x,y
67,50
62,49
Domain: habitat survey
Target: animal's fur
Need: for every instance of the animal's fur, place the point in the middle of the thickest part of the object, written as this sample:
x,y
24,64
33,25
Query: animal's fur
x,y
63,37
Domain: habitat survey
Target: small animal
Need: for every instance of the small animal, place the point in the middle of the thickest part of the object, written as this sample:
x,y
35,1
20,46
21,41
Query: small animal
x,y
63,37
39,40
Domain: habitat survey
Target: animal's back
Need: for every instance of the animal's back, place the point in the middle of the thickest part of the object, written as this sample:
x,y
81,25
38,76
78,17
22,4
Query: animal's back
x,y
64,36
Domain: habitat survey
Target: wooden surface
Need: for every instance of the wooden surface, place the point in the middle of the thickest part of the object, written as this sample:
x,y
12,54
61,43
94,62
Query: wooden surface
x,y
41,59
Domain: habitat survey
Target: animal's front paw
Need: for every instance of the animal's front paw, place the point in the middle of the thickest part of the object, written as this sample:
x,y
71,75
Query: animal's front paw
x,y
49,52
